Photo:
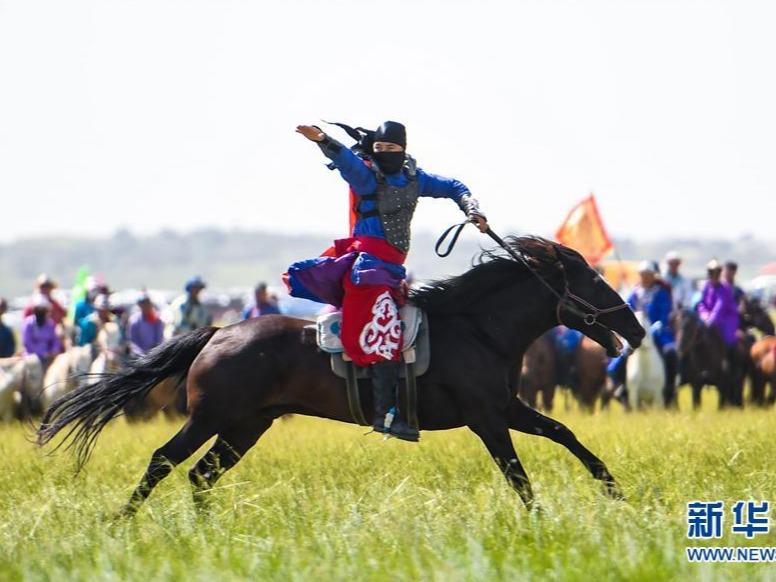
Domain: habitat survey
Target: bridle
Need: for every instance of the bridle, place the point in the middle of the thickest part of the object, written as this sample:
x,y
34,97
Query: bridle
x,y
567,300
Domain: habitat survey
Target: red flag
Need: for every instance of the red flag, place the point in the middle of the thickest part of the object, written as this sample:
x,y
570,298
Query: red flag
x,y
583,230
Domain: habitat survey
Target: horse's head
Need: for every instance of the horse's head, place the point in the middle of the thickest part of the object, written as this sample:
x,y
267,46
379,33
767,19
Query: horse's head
x,y
687,328
590,305
753,314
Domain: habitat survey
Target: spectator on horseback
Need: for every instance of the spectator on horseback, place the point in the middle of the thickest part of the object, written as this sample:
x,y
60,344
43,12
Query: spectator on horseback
x,y
188,312
44,286
39,334
85,307
93,323
652,296
263,303
729,273
681,287
718,310
145,329
364,273
717,307
7,339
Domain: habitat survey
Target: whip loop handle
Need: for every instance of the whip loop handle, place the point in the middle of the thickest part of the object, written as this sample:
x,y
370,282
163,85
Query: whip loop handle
x,y
456,230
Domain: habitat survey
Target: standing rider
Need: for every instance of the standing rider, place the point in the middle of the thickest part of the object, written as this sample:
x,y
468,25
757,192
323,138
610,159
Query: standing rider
x,y
365,274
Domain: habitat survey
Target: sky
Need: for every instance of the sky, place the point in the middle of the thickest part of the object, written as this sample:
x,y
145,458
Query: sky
x,y
156,114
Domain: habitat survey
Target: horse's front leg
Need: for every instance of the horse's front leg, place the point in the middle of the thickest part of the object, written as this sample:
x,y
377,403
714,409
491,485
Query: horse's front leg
x,y
494,434
531,421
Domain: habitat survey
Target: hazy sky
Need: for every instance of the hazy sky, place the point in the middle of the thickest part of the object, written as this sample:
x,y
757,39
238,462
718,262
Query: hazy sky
x,y
160,113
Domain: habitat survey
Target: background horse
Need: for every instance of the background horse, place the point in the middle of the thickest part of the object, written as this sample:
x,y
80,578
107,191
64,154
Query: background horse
x,y
644,371
702,356
591,374
65,373
21,380
753,317
107,345
763,354
242,377
538,374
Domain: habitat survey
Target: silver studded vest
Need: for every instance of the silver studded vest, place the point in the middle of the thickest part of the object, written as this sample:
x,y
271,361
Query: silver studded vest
x,y
396,206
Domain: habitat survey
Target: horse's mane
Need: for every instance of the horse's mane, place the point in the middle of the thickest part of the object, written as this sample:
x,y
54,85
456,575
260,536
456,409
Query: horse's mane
x,y
492,270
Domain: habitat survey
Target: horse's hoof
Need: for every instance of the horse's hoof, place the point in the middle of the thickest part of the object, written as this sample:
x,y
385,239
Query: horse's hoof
x,y
613,491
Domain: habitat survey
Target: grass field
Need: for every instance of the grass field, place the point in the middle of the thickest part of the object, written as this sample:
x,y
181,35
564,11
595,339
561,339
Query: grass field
x,y
316,499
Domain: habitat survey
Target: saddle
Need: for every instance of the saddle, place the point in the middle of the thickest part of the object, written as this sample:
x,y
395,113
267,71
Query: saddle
x,y
416,358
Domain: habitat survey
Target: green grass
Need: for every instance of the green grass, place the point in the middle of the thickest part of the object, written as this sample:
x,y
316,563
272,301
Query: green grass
x,y
316,499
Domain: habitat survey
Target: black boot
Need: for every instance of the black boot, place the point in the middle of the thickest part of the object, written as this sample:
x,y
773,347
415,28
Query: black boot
x,y
385,379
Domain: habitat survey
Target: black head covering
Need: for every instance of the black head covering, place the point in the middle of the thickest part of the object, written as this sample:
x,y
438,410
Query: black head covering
x,y
392,131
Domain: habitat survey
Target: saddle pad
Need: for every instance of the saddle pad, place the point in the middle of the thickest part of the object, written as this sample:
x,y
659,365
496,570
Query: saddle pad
x,y
418,355
329,327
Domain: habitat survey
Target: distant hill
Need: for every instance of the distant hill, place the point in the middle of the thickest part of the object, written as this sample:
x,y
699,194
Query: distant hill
x,y
239,258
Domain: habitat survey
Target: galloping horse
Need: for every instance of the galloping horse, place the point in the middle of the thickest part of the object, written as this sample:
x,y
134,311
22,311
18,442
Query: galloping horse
x,y
242,377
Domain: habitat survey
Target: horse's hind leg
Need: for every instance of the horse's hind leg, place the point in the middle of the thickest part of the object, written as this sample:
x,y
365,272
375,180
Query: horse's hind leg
x,y
180,447
533,422
226,452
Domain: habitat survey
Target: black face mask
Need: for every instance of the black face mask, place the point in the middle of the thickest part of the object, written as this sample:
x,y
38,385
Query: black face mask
x,y
389,162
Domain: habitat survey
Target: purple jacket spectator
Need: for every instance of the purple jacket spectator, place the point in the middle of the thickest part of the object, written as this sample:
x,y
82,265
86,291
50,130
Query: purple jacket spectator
x,y
40,340
144,334
718,308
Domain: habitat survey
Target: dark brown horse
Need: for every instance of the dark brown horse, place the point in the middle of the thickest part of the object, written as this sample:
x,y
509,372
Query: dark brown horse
x,y
242,377
583,371
539,374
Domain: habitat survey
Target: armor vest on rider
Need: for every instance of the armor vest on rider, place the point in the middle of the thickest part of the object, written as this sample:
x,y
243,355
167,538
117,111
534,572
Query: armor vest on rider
x,y
395,205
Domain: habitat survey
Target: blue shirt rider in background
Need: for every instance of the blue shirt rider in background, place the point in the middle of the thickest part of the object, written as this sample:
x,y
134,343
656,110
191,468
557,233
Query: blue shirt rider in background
x,y
652,296
263,303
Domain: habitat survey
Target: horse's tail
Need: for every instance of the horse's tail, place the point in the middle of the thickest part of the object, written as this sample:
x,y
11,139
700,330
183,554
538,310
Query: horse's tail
x,y
90,407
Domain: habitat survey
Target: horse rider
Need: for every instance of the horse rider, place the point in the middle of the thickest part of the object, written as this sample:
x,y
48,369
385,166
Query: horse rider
x,y
681,286
7,339
365,274
263,303
717,307
44,286
95,321
729,272
145,330
652,296
718,310
39,335
188,312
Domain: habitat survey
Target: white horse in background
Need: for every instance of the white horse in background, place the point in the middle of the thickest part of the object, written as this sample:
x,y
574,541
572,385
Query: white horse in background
x,y
21,382
65,373
108,344
644,372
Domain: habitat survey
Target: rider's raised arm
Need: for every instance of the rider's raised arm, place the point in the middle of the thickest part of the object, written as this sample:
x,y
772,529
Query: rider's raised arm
x,y
350,166
434,186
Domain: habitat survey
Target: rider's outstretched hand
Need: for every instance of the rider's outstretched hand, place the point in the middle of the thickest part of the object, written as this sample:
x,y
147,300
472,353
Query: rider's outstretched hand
x,y
481,222
311,132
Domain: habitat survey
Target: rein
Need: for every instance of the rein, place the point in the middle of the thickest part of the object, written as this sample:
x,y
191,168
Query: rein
x,y
565,300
